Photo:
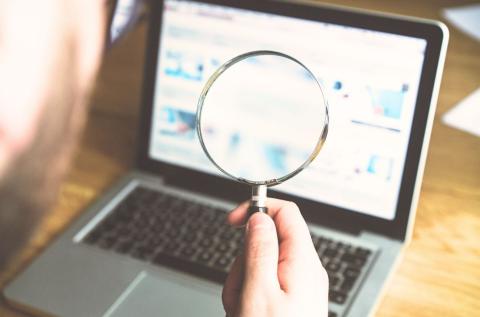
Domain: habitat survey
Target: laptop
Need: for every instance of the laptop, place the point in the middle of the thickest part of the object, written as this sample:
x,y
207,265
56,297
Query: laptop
x,y
156,244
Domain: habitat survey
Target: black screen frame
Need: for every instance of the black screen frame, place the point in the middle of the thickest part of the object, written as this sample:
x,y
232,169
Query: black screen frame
x,y
331,216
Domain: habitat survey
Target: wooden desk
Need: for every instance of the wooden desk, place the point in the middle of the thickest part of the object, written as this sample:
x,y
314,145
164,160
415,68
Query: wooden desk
x,y
440,272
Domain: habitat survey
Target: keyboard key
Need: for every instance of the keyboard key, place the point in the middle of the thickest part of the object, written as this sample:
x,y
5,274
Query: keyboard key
x,y
188,251
193,211
331,253
157,241
352,273
205,256
210,231
362,252
209,215
337,297
333,281
223,262
353,260
189,237
223,247
158,226
236,251
194,225
173,232
332,267
207,242
177,221
346,285
324,260
140,235
228,234
171,247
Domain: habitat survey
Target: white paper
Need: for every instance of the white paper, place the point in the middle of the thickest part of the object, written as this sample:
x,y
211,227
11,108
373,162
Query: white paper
x,y
466,115
466,18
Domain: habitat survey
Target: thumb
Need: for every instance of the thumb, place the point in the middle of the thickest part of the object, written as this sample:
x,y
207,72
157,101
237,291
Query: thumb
x,y
261,254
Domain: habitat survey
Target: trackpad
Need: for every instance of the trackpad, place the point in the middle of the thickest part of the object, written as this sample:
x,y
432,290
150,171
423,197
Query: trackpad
x,y
152,296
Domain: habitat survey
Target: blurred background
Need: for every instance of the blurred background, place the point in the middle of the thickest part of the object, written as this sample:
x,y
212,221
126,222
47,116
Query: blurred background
x,y
440,272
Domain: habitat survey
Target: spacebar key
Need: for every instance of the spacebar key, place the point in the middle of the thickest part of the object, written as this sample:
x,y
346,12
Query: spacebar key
x,y
190,267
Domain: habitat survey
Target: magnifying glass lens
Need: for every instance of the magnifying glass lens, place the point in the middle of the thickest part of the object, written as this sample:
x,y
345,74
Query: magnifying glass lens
x,y
262,118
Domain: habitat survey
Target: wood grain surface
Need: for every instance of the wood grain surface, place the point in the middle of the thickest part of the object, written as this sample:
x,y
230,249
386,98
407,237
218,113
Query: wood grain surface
x,y
440,272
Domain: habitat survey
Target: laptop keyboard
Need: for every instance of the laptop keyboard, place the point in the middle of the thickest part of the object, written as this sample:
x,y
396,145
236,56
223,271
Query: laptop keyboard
x,y
192,237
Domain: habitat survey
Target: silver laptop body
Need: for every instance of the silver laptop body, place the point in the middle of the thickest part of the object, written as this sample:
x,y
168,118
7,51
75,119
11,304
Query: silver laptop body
x,y
360,203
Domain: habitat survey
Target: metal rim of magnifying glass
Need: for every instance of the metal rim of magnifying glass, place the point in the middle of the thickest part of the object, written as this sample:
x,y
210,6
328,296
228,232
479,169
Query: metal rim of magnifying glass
x,y
203,95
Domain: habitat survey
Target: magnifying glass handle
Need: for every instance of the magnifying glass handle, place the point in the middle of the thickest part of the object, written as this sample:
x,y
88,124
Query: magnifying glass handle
x,y
259,200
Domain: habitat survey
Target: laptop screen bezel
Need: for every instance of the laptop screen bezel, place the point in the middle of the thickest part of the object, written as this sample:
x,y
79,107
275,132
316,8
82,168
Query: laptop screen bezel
x,y
313,211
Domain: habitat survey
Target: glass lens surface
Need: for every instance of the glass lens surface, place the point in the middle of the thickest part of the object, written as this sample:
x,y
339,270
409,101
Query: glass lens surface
x,y
262,118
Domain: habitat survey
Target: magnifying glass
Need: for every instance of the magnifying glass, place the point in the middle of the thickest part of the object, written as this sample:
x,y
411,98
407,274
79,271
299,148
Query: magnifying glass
x,y
262,118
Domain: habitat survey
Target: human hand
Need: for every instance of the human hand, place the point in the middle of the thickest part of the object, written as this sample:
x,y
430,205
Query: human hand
x,y
279,272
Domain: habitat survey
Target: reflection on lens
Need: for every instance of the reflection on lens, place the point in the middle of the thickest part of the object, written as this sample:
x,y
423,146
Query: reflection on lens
x,y
262,117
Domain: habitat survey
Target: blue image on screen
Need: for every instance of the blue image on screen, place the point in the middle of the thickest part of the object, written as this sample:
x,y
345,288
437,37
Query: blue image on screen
x,y
387,103
177,123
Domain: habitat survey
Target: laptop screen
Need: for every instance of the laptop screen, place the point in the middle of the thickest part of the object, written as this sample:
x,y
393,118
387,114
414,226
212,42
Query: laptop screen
x,y
371,80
